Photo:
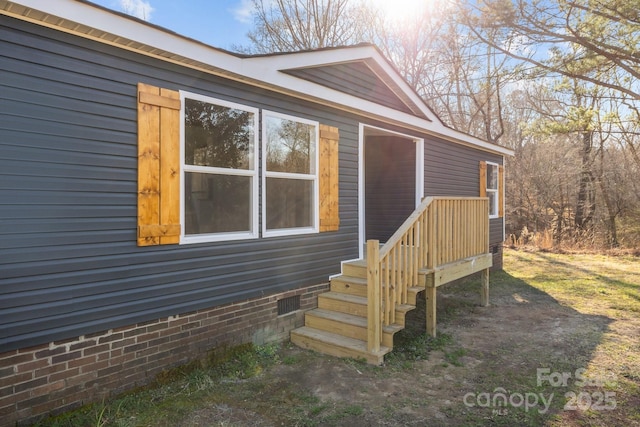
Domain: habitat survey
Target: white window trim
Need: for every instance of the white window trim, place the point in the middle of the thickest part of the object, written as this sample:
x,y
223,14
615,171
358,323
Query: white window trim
x,y
311,177
496,199
253,173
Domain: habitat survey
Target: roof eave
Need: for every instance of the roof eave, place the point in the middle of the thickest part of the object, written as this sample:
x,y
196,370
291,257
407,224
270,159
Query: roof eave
x,y
90,21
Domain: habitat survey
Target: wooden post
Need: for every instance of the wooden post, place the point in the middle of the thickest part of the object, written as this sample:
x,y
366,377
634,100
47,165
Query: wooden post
x,y
430,291
484,296
484,290
374,325
431,236
430,294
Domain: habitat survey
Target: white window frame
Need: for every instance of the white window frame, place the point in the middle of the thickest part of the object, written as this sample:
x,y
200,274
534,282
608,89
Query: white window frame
x,y
496,191
285,175
252,173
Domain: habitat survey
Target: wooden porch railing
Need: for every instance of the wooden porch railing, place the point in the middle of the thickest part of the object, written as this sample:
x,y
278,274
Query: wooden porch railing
x,y
439,232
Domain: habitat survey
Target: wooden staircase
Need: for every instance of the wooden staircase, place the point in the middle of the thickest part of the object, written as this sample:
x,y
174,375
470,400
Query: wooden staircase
x,y
339,325
444,239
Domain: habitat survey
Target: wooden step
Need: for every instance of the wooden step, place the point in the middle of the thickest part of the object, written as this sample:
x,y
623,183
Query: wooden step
x,y
339,325
349,285
356,268
343,303
347,325
412,294
358,286
401,313
336,345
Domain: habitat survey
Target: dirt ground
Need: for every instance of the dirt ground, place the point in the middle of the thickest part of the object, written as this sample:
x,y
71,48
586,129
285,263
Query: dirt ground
x,y
482,355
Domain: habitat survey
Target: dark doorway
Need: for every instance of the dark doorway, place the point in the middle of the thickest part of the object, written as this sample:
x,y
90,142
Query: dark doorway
x,y
390,184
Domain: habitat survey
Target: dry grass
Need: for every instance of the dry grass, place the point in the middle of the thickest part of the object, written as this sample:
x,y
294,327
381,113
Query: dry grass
x,y
544,241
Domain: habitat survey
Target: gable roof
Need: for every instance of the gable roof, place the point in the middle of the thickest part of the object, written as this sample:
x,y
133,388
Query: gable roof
x,y
310,75
358,78
368,75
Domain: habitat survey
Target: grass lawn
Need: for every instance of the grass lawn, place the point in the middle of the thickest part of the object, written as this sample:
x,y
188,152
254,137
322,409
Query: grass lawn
x,y
598,287
558,346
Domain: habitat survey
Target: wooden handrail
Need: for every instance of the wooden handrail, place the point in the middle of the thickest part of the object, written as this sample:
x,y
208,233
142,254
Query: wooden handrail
x,y
440,231
406,225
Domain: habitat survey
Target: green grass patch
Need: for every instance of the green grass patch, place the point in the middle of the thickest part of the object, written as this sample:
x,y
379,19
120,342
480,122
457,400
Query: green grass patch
x,y
411,345
593,284
176,392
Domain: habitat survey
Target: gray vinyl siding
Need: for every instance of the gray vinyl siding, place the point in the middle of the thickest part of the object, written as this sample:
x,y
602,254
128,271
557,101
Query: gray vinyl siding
x,y
453,170
69,264
355,79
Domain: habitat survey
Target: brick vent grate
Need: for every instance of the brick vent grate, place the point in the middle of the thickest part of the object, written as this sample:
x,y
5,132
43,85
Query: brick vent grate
x,y
289,304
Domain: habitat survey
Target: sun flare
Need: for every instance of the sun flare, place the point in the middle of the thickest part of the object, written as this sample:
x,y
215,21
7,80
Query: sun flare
x,y
402,10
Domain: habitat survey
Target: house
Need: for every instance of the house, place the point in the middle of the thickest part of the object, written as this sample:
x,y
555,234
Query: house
x,y
161,198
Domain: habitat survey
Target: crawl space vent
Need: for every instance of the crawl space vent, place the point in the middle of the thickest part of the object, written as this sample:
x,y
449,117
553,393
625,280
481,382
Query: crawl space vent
x,y
287,305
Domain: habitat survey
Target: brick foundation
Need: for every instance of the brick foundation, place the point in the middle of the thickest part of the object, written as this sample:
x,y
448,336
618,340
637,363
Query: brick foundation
x,y
497,250
63,375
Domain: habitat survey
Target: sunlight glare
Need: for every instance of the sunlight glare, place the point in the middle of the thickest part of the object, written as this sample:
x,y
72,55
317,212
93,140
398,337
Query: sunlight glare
x,y
402,10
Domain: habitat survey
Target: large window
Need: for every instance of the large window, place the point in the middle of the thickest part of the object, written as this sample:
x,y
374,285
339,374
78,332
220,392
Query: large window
x,y
220,171
290,179
493,184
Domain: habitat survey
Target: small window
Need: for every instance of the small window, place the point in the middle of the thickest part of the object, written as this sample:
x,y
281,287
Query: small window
x,y
290,179
492,189
219,170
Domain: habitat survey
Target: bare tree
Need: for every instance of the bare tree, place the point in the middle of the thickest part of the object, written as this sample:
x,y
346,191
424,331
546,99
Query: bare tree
x,y
292,25
579,35
461,79
570,154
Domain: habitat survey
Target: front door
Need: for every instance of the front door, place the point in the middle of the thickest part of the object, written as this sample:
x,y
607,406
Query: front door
x,y
390,184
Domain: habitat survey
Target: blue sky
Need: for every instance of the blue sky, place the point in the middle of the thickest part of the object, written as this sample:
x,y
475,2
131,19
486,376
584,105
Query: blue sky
x,y
225,23
220,23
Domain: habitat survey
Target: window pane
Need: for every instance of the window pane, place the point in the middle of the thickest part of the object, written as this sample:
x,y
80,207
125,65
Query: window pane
x,y
492,177
289,203
218,136
217,203
493,203
290,146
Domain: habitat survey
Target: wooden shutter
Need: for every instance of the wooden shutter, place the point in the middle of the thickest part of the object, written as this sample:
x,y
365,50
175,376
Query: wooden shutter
x,y
158,166
501,191
483,179
328,177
